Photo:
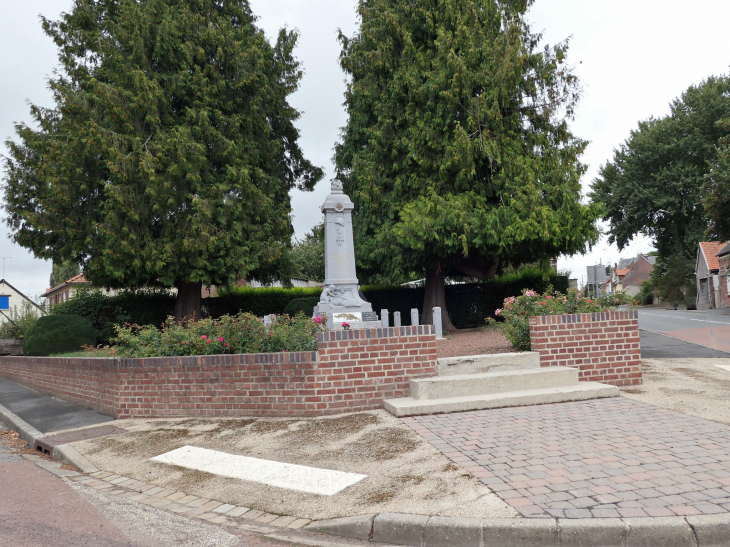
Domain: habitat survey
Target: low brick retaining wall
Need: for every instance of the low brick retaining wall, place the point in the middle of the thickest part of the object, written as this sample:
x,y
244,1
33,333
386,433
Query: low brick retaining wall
x,y
350,371
604,346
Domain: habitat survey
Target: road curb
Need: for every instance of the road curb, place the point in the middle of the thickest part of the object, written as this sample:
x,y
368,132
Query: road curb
x,y
424,531
66,453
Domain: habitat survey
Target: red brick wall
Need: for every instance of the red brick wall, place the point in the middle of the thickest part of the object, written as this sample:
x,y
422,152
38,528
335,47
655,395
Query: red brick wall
x,y
603,346
352,370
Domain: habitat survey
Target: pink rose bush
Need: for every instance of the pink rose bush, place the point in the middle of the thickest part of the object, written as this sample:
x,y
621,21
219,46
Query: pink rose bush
x,y
516,311
242,333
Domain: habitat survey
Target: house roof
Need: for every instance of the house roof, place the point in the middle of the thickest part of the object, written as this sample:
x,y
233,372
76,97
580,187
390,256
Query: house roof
x,y
621,273
75,280
725,250
20,293
710,250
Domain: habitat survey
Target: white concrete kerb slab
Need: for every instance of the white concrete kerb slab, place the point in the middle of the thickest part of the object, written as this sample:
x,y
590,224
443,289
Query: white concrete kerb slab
x,y
302,478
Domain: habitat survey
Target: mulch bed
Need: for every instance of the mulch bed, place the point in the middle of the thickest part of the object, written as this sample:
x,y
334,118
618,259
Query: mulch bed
x,y
477,341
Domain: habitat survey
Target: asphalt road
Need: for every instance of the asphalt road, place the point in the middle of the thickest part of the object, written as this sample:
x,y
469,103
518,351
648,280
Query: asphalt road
x,y
39,508
705,328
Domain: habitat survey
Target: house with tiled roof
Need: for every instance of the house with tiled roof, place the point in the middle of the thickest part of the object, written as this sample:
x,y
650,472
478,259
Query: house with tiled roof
x,y
64,291
723,272
14,303
707,271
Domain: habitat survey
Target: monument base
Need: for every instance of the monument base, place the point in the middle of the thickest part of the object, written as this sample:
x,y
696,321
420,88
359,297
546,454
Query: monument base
x,y
354,325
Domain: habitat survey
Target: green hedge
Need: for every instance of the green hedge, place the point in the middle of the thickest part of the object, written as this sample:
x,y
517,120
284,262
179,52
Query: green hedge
x,y
104,312
468,304
301,305
58,334
259,302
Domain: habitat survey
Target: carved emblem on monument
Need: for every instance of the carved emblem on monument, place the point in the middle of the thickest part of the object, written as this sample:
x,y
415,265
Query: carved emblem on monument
x,y
339,297
340,230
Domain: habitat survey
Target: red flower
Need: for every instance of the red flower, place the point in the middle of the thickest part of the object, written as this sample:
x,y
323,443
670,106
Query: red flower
x,y
544,303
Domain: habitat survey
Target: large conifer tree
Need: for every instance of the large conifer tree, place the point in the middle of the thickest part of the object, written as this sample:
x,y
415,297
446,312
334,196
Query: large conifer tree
x,y
170,152
457,151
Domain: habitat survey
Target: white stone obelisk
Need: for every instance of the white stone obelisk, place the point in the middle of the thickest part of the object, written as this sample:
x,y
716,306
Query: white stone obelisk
x,y
340,295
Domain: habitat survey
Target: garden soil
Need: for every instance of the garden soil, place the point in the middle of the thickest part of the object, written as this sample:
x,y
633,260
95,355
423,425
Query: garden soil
x,y
404,472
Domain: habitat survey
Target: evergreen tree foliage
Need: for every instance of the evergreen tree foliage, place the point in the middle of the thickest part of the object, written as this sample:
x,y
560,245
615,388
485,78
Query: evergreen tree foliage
x,y
171,149
457,151
307,255
717,197
63,271
655,183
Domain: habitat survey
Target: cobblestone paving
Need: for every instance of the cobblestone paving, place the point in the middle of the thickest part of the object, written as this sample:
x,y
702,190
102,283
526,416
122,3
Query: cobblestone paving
x,y
602,458
6,454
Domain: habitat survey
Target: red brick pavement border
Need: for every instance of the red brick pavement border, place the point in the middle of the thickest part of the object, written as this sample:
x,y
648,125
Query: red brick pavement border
x,y
603,458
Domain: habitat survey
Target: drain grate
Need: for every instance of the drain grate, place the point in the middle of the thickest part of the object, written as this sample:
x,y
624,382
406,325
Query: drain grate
x,y
47,444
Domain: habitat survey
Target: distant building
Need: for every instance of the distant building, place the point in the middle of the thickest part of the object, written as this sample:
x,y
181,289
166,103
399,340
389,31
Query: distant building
x,y
64,291
630,273
13,302
596,278
710,291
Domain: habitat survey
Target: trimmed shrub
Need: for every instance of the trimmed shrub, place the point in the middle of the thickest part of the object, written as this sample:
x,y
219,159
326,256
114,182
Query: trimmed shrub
x,y
58,334
518,309
301,305
243,333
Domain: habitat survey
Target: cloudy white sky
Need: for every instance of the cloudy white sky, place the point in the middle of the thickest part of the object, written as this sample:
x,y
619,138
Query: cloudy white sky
x,y
633,57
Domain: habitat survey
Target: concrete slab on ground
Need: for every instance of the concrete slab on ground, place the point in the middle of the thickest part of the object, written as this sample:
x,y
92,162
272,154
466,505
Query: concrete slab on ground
x,y
46,413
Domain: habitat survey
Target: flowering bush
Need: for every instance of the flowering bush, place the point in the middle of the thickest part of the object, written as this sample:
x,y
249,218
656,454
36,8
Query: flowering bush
x,y
517,310
242,333
345,326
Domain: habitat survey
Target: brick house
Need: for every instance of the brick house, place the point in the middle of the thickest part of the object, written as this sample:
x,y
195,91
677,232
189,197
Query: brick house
x,y
707,272
630,273
723,273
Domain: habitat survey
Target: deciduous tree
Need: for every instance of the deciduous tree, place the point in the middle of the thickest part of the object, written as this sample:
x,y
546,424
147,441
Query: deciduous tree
x,y
170,152
717,197
457,151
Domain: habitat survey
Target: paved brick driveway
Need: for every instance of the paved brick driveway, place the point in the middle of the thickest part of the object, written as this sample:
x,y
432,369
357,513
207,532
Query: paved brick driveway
x,y
602,458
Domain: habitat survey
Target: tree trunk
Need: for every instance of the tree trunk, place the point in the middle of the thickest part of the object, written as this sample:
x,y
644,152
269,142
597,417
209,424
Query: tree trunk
x,y
187,303
435,296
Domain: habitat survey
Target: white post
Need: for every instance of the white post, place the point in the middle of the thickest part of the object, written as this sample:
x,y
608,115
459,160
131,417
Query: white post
x,y
396,319
267,320
437,323
414,317
384,318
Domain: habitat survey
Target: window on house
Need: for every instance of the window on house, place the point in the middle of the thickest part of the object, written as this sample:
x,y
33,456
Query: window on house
x,y
66,296
5,302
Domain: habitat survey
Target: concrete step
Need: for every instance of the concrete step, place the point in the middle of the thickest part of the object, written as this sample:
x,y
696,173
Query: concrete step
x,y
408,406
473,364
466,385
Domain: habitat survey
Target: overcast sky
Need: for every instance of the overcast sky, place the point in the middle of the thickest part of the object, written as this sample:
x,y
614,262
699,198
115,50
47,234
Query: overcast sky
x,y
633,58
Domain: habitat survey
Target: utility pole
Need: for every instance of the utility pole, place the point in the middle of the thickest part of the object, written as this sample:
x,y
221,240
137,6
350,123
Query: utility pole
x,y
4,259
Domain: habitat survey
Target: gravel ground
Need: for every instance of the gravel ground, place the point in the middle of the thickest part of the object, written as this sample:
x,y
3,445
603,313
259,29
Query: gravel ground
x,y
697,387
405,473
477,341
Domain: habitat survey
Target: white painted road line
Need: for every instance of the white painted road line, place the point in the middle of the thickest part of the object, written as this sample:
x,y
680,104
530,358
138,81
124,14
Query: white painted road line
x,y
726,367
686,318
282,475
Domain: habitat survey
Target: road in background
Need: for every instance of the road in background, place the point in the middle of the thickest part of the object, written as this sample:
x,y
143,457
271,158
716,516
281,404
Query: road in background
x,y
706,328
661,346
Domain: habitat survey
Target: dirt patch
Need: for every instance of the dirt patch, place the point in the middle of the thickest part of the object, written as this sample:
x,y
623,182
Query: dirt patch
x,y
404,472
479,341
692,386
